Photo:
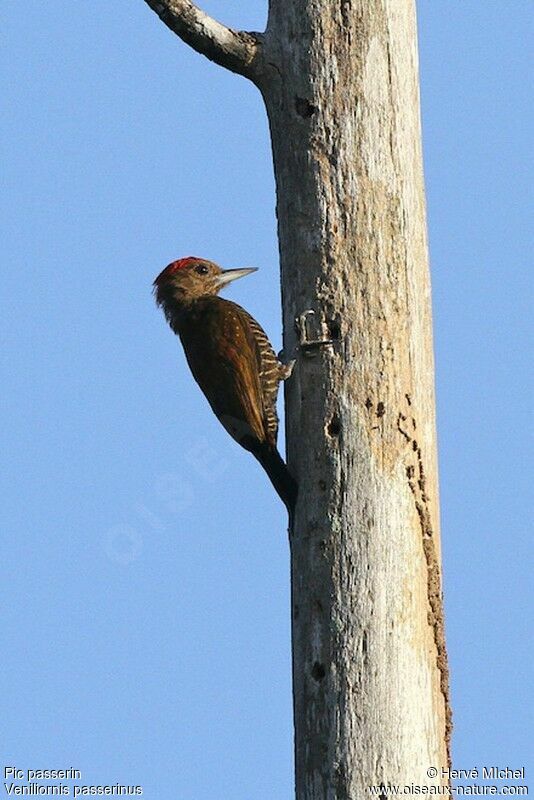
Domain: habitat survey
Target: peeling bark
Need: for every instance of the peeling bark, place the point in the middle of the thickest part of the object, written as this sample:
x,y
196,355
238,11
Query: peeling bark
x,y
343,107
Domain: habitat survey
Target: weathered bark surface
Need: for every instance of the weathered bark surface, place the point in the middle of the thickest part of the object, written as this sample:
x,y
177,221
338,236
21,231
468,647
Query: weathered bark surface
x,y
369,660
235,50
340,83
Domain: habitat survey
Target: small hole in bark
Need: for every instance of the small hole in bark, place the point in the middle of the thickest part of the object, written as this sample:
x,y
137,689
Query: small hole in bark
x,y
380,409
334,426
368,403
304,108
334,329
318,672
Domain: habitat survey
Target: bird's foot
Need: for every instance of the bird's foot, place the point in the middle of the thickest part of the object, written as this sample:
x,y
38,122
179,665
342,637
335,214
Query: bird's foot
x,y
285,370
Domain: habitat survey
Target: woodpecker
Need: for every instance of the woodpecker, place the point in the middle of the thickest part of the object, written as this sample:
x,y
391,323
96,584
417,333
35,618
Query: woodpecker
x,y
231,359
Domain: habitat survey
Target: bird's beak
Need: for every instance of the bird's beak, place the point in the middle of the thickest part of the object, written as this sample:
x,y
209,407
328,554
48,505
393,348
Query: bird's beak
x,y
228,275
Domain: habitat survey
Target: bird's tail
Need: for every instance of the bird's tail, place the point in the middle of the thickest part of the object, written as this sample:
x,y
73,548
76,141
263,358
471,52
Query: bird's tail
x,y
279,475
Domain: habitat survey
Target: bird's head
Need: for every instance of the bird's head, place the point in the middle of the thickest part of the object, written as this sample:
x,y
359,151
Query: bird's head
x,y
190,278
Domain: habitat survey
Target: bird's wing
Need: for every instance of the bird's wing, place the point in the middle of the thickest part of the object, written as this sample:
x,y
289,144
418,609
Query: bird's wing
x,y
269,368
222,354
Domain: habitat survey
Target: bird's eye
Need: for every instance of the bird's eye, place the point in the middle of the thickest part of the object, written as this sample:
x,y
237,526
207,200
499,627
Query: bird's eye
x,y
202,269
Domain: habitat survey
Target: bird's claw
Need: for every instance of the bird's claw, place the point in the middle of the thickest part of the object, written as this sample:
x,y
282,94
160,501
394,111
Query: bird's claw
x,y
285,370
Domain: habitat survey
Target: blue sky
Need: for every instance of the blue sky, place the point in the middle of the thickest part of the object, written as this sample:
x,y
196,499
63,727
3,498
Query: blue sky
x,y
145,626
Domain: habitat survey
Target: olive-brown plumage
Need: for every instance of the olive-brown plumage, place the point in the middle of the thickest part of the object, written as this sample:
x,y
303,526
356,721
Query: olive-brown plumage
x,y
231,359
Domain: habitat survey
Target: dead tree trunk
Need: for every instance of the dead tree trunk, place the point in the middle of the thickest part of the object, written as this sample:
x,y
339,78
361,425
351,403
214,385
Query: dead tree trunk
x,y
340,84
